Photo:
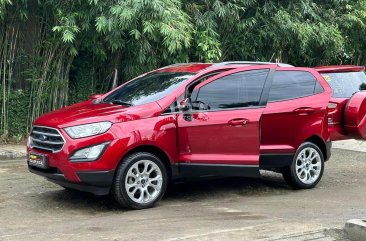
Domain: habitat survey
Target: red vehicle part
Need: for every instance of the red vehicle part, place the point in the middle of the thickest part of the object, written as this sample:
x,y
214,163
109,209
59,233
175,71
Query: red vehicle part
x,y
355,119
235,140
345,110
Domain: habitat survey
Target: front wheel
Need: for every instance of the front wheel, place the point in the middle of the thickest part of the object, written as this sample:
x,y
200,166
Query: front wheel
x,y
307,167
140,181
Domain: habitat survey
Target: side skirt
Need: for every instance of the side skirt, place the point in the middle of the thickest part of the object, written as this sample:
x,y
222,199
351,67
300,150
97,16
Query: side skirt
x,y
191,170
275,161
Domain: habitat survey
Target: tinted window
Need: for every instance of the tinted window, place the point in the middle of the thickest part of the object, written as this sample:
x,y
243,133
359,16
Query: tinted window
x,y
318,88
148,88
242,89
344,85
292,84
174,106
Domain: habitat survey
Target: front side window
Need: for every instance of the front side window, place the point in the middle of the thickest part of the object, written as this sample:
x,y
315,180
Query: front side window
x,y
237,90
148,88
174,107
293,84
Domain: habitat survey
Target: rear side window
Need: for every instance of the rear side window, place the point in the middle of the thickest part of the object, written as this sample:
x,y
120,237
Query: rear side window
x,y
293,84
344,85
237,90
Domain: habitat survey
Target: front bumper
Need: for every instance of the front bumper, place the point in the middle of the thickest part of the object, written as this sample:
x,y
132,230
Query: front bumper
x,y
96,182
90,176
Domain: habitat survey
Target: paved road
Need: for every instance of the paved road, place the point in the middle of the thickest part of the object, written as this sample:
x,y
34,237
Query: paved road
x,y
228,209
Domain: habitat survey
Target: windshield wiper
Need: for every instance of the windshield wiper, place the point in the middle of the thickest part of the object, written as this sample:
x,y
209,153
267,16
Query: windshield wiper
x,y
121,102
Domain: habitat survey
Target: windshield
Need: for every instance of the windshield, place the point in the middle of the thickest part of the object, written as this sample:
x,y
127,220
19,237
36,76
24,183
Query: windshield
x,y
148,88
344,85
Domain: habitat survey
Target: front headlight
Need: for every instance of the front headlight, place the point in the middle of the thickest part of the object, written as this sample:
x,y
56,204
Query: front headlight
x,y
88,129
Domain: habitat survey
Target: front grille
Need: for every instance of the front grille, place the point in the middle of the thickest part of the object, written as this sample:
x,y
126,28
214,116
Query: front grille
x,y
46,138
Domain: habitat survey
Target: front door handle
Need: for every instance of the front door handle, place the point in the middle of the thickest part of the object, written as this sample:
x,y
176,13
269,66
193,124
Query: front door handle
x,y
238,122
304,110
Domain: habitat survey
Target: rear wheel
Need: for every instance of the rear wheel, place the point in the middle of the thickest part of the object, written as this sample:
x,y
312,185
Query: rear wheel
x,y
307,167
140,181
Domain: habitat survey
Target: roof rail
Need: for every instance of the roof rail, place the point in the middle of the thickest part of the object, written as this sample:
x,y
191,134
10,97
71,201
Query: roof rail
x,y
179,64
248,63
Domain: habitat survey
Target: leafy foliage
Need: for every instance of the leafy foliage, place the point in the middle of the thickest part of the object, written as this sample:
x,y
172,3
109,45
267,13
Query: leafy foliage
x,y
77,43
3,3
18,103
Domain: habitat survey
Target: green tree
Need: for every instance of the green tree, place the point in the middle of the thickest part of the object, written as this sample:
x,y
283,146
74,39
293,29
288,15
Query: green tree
x,y
75,44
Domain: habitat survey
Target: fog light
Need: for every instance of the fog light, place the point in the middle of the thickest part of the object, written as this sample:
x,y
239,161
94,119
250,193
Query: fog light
x,y
88,154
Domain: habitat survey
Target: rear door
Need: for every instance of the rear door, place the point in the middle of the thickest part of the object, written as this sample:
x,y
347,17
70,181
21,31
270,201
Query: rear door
x,y
295,111
220,134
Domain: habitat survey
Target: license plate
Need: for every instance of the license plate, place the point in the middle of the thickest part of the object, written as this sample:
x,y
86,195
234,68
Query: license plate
x,y
38,160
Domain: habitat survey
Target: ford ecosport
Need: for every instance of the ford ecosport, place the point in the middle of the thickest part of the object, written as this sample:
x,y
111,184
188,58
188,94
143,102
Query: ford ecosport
x,y
193,120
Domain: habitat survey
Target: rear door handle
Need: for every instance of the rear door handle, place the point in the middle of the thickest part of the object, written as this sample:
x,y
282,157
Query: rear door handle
x,y
304,110
238,122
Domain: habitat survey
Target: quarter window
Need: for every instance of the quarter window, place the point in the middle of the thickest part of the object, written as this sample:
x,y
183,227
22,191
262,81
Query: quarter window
x,y
293,84
237,90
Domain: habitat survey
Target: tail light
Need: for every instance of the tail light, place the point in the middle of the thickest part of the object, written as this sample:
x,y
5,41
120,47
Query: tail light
x,y
331,108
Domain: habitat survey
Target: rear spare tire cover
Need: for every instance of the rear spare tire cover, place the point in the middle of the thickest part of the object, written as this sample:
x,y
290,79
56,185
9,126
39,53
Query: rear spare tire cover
x,y
355,121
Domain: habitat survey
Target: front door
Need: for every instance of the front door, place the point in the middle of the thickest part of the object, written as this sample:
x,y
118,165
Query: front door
x,y
220,134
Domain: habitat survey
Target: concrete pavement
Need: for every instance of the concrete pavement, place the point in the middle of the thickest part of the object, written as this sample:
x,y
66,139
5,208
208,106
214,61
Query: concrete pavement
x,y
352,145
12,151
236,209
32,208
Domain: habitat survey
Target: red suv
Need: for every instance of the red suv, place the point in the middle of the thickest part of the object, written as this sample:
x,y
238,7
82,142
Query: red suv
x,y
195,120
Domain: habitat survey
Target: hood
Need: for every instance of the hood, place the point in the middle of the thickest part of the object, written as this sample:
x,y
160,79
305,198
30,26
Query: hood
x,y
87,112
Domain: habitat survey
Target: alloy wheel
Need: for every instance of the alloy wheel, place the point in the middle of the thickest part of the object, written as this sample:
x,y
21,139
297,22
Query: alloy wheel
x,y
143,181
308,165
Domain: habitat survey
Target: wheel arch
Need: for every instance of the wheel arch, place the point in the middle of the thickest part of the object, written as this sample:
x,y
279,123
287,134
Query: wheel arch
x,y
155,151
320,143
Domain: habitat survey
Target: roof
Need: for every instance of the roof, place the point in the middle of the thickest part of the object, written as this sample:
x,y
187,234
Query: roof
x,y
248,63
339,68
197,67
189,67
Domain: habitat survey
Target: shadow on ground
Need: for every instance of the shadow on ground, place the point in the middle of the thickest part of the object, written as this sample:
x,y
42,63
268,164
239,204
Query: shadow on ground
x,y
187,191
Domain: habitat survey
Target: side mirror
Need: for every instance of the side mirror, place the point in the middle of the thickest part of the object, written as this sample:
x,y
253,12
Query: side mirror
x,y
96,98
184,104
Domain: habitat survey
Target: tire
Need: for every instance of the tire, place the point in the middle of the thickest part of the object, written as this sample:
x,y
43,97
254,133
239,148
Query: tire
x,y
307,167
140,181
